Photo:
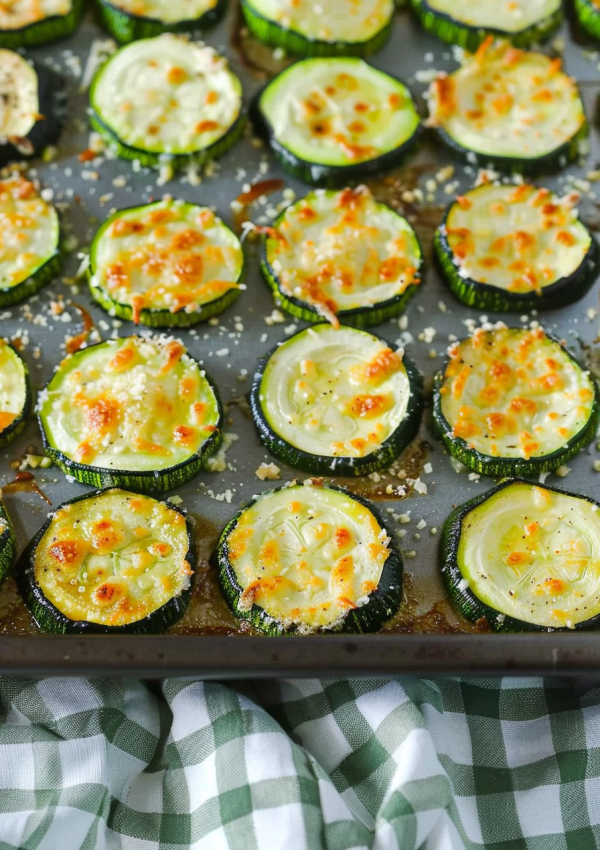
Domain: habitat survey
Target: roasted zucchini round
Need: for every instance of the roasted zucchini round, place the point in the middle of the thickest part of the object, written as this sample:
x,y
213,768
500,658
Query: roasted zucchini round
x,y
588,14
15,393
8,543
129,20
27,23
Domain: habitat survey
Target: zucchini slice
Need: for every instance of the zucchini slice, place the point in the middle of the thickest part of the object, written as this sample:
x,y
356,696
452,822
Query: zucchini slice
x,y
307,558
15,393
165,264
167,99
8,543
342,256
29,240
27,23
511,109
514,401
109,562
136,412
336,401
516,248
525,558
468,23
333,120
588,14
329,28
129,20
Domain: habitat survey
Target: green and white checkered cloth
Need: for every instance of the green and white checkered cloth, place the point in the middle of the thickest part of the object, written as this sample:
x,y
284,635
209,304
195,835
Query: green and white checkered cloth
x,y
507,764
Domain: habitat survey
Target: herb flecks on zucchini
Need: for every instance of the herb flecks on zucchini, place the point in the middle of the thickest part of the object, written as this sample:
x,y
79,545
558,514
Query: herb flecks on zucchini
x,y
8,543
109,562
342,256
336,401
514,109
334,120
513,401
15,393
196,102
165,264
468,23
308,558
516,247
127,20
26,23
135,412
329,28
525,557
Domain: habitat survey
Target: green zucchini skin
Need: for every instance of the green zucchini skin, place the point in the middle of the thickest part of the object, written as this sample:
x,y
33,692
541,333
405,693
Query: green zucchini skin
x,y
51,620
350,467
125,26
463,598
42,276
454,32
512,467
44,31
300,45
8,545
482,296
383,602
588,15
17,426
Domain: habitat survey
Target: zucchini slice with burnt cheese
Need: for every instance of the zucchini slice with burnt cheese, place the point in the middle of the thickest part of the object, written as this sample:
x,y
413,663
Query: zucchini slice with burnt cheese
x,y
512,109
8,543
308,558
468,23
329,28
514,401
588,14
27,23
516,247
524,558
129,20
109,562
196,102
15,393
165,264
342,256
336,401
333,120
135,412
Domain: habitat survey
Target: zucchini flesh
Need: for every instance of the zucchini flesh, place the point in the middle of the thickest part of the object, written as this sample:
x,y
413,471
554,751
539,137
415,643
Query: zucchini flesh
x,y
513,401
15,393
336,401
342,256
525,557
28,23
510,108
516,247
196,101
8,543
109,562
588,14
330,28
308,558
129,20
165,264
138,413
330,120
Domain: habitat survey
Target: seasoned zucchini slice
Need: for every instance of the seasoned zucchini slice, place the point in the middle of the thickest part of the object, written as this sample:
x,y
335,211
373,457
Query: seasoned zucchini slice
x,y
509,108
307,558
128,20
342,256
109,562
135,412
516,247
165,264
524,558
336,401
8,544
15,393
514,401
26,23
588,13
196,99
333,120
329,28
468,23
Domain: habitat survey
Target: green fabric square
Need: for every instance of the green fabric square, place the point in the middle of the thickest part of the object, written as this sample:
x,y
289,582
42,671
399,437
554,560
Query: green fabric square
x,y
480,702
572,765
581,839
235,804
363,762
339,694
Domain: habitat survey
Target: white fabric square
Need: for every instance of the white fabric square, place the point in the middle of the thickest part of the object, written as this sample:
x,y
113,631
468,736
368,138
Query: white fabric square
x,y
592,793
385,838
65,697
268,756
189,711
539,811
69,828
444,836
83,760
202,781
416,758
325,740
376,706
281,828
333,807
145,792
527,741
128,842
216,840
469,816
12,827
17,766
450,733
123,767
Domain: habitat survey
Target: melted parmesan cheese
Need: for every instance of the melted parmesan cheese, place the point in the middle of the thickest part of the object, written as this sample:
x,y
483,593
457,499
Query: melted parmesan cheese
x,y
338,111
129,404
166,11
508,102
328,20
12,386
307,555
16,14
167,95
343,250
335,393
166,256
534,554
19,103
113,558
517,238
515,393
509,16
28,231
